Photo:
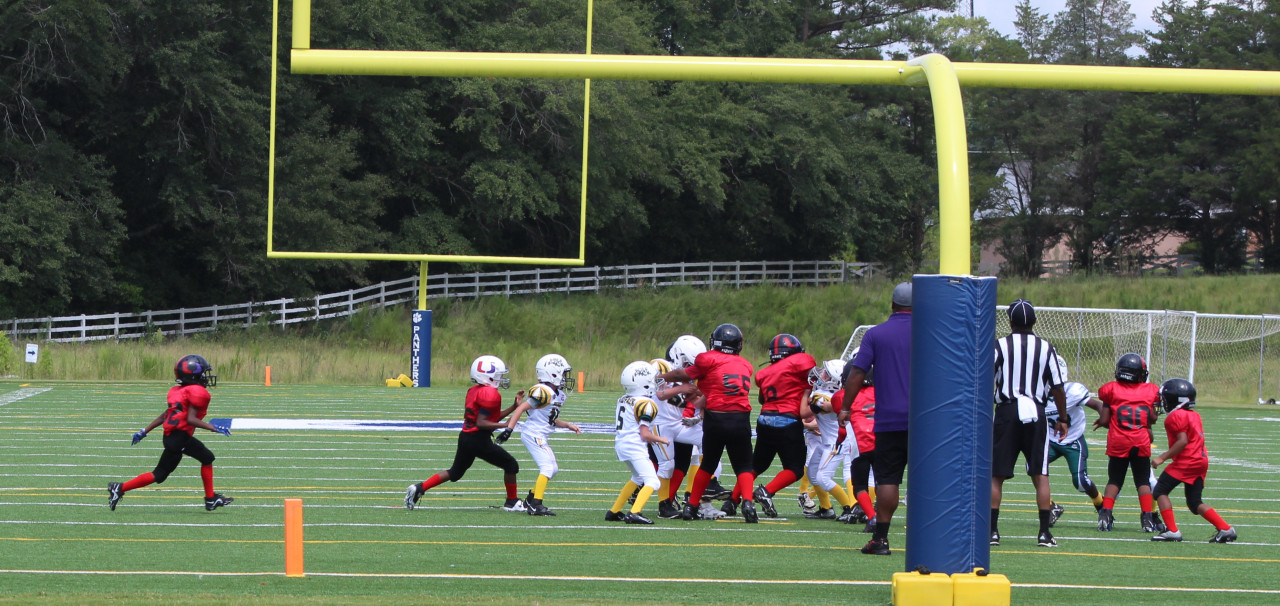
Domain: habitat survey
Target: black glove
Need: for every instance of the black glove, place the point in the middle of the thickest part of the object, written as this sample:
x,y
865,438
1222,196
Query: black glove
x,y
502,436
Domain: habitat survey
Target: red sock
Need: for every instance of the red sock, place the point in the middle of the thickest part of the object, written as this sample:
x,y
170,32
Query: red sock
x,y
864,499
743,487
784,479
737,492
1144,501
1215,519
206,476
700,481
511,491
677,479
145,479
432,482
1167,515
1108,502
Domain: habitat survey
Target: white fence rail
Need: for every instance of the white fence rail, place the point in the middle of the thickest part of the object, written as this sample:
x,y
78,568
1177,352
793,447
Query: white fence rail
x,y
282,312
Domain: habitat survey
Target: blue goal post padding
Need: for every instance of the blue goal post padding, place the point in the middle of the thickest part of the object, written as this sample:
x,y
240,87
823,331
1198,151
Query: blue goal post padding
x,y
953,330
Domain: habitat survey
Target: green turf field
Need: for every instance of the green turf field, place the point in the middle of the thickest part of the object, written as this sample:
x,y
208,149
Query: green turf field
x,y
60,443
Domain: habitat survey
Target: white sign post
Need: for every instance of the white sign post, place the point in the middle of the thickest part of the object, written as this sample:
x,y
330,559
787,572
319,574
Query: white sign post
x,y
33,353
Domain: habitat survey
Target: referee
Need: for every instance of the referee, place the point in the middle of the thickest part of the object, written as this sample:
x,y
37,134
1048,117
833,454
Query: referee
x,y
1027,374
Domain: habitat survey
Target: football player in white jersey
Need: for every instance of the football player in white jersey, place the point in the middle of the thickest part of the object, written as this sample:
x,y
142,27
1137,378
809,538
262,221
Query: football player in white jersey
x,y
1072,445
543,403
637,411
827,452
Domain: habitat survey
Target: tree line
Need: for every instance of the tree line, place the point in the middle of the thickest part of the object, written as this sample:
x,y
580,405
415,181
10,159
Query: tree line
x,y
133,143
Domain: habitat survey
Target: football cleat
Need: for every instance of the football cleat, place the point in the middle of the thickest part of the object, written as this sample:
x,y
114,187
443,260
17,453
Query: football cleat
x,y
514,505
690,512
707,511
870,527
995,537
115,491
876,547
1160,527
1224,536
765,500
613,516
1055,512
822,514
536,508
846,516
1045,539
716,491
668,510
412,495
1148,524
635,518
729,508
807,504
216,501
859,516
749,513
1171,536
1105,520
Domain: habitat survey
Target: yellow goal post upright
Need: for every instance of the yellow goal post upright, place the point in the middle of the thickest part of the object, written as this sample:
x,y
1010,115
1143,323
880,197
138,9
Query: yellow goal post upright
x,y
945,80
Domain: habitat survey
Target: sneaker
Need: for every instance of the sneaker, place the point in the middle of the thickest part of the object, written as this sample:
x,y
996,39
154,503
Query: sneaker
x,y
765,500
823,514
876,547
1055,512
846,515
1045,539
995,537
536,508
1105,520
115,491
1224,536
870,527
729,508
707,511
412,495
216,501
690,512
716,491
1172,536
1148,525
613,516
859,516
749,513
807,504
635,518
514,505
668,510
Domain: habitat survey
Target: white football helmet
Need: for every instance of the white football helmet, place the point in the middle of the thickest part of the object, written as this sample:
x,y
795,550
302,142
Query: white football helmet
x,y
490,370
638,378
828,376
686,348
1062,364
554,369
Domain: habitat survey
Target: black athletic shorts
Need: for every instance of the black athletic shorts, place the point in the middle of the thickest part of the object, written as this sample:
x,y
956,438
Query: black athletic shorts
x,y
891,457
1011,437
726,431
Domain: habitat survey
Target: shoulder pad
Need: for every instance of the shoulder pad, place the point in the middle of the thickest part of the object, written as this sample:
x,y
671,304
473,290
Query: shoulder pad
x,y
539,395
646,410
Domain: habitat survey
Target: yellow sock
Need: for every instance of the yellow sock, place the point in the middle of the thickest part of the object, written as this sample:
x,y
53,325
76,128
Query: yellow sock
x,y
664,489
871,492
848,486
627,489
841,496
1097,501
804,481
824,498
693,472
641,499
540,487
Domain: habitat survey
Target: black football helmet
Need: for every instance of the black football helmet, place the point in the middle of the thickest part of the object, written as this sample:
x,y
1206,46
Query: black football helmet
x,y
784,345
1131,368
1177,393
194,370
727,338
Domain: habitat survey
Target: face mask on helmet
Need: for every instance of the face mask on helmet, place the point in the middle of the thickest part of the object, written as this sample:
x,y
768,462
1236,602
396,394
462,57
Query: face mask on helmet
x,y
1131,368
555,370
685,350
194,370
726,338
1177,393
491,371
638,379
784,345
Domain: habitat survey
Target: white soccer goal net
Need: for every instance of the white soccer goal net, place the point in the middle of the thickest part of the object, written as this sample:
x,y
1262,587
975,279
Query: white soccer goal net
x,y
1230,358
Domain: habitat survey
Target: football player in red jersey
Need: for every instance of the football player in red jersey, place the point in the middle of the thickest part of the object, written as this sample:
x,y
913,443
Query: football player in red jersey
x,y
188,405
1188,462
1129,412
481,417
783,393
862,417
724,378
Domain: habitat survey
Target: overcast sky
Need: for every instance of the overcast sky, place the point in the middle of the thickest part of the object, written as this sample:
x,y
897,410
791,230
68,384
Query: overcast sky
x,y
1001,12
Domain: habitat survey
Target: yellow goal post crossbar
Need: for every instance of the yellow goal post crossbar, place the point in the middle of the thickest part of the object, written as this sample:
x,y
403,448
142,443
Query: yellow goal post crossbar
x,y
943,77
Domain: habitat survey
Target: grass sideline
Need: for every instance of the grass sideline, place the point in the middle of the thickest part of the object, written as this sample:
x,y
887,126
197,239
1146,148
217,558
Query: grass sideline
x,y
61,446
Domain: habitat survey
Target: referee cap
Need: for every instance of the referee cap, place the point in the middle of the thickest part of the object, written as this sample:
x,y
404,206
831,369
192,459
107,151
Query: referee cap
x,y
902,294
1022,313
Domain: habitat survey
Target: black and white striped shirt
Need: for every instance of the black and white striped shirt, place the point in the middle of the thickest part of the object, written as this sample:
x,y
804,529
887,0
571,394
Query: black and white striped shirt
x,y
1025,365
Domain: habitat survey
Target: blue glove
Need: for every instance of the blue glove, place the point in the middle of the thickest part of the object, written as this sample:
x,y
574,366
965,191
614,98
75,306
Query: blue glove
x,y
223,429
137,437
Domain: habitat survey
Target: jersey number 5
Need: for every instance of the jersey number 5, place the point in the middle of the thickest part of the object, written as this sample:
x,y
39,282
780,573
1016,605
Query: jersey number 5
x,y
737,385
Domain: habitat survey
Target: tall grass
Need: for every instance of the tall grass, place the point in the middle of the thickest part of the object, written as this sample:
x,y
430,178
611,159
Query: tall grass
x,y
599,333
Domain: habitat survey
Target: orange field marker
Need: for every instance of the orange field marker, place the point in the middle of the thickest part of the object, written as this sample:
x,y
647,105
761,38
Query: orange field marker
x,y
293,538
268,376
580,381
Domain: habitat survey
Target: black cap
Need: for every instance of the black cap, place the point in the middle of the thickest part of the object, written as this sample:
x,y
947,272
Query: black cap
x,y
1022,313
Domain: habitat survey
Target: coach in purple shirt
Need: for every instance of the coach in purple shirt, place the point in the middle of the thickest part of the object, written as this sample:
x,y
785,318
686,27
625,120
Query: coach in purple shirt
x,y
886,348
